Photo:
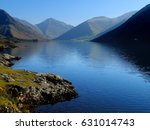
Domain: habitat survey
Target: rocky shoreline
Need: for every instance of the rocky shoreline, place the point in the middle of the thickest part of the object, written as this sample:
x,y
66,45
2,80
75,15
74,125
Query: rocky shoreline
x,y
21,90
6,59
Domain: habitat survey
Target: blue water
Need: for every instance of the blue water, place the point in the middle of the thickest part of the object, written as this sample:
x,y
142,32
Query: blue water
x,y
104,77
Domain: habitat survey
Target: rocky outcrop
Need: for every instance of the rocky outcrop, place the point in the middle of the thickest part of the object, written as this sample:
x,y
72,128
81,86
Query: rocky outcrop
x,y
6,59
50,89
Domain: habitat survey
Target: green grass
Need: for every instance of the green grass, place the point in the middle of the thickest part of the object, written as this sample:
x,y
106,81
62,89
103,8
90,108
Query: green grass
x,y
22,78
6,102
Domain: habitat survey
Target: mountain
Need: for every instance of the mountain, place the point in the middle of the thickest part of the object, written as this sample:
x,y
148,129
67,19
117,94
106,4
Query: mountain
x,y
53,28
14,29
136,29
92,27
26,23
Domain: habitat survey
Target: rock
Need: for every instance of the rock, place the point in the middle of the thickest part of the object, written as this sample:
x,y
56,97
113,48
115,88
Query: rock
x,y
52,89
14,90
6,59
7,78
40,79
6,109
10,57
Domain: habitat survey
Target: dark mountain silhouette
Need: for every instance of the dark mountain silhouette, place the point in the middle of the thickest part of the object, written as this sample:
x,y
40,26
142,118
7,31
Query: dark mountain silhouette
x,y
12,28
53,28
136,29
92,27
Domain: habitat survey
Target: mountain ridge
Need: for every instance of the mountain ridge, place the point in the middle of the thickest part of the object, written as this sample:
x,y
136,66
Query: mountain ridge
x,y
135,29
94,27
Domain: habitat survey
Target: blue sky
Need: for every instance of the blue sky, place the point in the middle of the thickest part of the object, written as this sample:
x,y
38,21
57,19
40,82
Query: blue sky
x,y
70,11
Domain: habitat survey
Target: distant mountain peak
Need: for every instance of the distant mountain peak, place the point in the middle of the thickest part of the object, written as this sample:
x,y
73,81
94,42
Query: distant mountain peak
x,y
51,19
53,28
98,18
55,21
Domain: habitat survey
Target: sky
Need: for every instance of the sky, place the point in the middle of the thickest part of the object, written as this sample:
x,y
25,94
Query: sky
x,y
72,12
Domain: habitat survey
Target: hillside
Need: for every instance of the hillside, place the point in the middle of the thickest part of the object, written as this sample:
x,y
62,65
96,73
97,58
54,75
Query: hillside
x,y
136,29
11,28
92,27
26,23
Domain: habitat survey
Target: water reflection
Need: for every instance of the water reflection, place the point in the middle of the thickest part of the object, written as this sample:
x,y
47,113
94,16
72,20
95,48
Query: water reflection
x,y
136,53
108,77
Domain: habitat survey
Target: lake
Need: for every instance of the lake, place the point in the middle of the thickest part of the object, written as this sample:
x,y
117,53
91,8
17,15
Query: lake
x,y
107,78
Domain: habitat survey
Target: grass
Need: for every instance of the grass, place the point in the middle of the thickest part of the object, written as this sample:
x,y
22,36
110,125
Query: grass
x,y
21,78
6,102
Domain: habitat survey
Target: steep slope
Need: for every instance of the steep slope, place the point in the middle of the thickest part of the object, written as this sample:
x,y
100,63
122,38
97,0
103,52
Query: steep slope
x,y
26,23
83,30
94,26
53,28
135,29
11,28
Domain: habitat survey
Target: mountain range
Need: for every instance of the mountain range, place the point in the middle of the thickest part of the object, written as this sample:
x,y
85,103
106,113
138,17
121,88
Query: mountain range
x,y
14,28
132,26
136,29
92,27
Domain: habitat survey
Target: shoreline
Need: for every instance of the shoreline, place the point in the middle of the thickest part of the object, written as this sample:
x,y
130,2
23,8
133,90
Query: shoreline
x,y
22,90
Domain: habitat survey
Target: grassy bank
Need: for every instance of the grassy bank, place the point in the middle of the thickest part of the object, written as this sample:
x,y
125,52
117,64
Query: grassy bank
x,y
9,77
22,90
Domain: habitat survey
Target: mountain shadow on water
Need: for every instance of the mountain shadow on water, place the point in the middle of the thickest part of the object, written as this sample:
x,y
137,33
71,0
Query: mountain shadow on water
x,y
138,54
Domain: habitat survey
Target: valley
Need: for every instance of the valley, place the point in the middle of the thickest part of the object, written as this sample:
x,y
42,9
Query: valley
x,y
100,65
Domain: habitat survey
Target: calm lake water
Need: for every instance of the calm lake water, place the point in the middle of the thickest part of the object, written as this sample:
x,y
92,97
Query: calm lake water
x,y
108,79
